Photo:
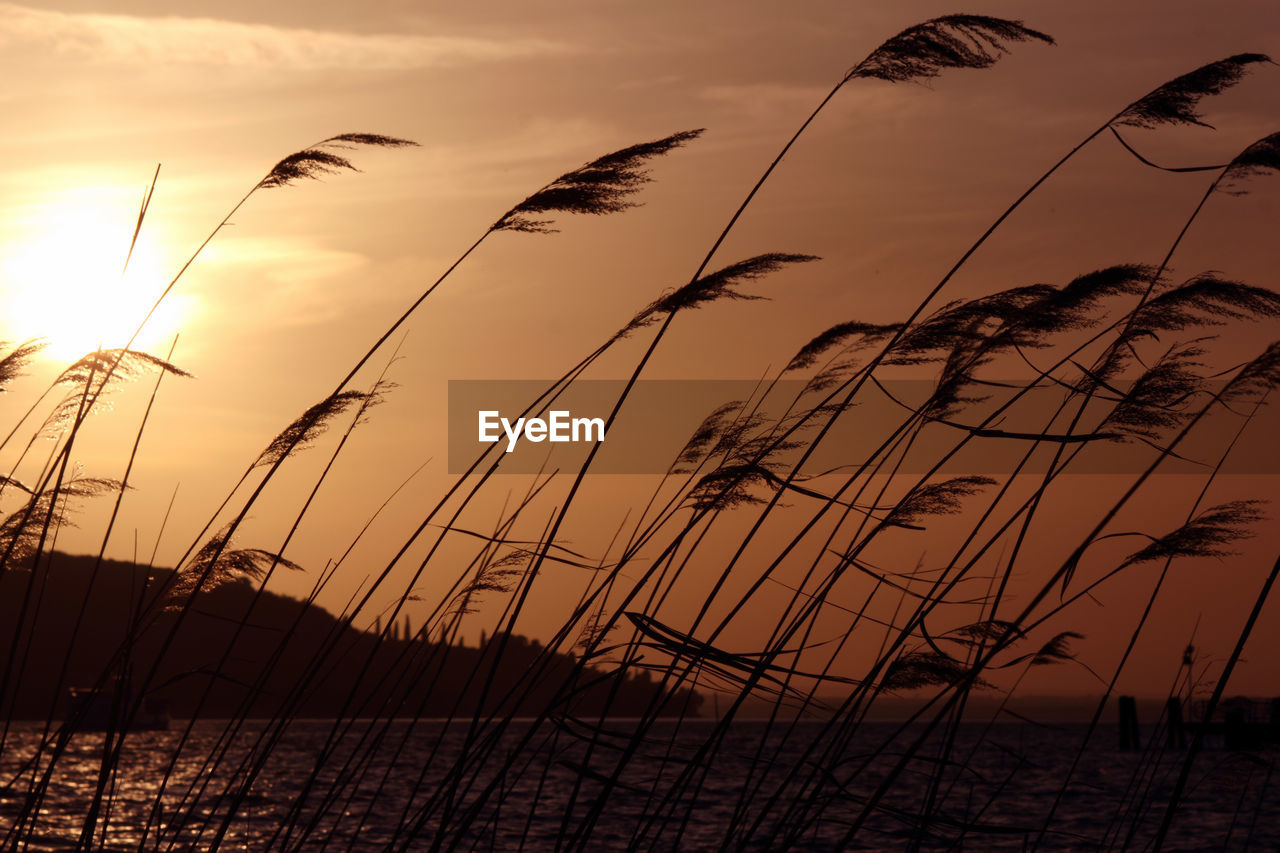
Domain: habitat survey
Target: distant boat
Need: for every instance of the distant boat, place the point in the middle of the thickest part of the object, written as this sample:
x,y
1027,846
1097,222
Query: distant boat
x,y
96,709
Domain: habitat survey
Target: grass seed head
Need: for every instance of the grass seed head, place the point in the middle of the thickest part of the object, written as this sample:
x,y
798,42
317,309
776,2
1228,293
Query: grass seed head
x,y
951,41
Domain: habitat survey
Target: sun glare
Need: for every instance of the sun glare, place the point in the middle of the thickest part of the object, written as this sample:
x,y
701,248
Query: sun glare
x,y
62,264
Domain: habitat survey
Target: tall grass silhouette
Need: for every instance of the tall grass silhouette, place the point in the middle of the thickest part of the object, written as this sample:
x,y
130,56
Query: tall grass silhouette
x,y
430,744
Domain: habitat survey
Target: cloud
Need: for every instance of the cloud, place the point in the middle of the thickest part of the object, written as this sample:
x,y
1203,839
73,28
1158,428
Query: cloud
x,y
764,100
209,41
279,282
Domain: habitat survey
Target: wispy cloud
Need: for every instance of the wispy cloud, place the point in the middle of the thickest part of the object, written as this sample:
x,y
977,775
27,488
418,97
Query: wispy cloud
x,y
296,282
764,100
210,41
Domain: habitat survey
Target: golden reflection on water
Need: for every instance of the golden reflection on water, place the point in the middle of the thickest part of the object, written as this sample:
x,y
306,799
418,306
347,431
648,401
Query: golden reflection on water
x,y
360,797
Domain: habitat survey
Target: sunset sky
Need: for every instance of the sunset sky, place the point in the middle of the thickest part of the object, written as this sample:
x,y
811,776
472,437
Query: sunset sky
x,y
889,187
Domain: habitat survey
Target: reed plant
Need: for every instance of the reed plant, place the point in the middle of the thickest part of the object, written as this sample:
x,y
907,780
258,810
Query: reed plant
x,y
434,745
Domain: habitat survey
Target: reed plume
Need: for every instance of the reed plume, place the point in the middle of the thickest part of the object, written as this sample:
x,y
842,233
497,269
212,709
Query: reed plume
x,y
1204,300
98,373
707,437
315,162
16,360
1056,650
720,284
1208,534
26,529
914,670
1257,378
952,41
314,421
496,575
1257,160
853,334
941,498
107,365
604,185
217,563
1178,101
1159,399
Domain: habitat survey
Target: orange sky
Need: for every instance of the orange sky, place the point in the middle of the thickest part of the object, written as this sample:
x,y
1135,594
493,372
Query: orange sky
x,y
891,184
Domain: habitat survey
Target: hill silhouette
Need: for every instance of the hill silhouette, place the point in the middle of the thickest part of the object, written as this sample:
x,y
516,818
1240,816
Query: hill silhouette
x,y
362,675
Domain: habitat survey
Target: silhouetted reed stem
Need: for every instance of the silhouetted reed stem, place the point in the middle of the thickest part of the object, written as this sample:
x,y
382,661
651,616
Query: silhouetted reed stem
x,y
1197,742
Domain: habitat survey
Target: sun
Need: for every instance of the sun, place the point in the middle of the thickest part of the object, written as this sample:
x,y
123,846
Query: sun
x,y
65,280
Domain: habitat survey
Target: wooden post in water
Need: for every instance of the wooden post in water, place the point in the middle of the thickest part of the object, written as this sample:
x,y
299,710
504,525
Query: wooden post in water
x,y
1129,723
1177,736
